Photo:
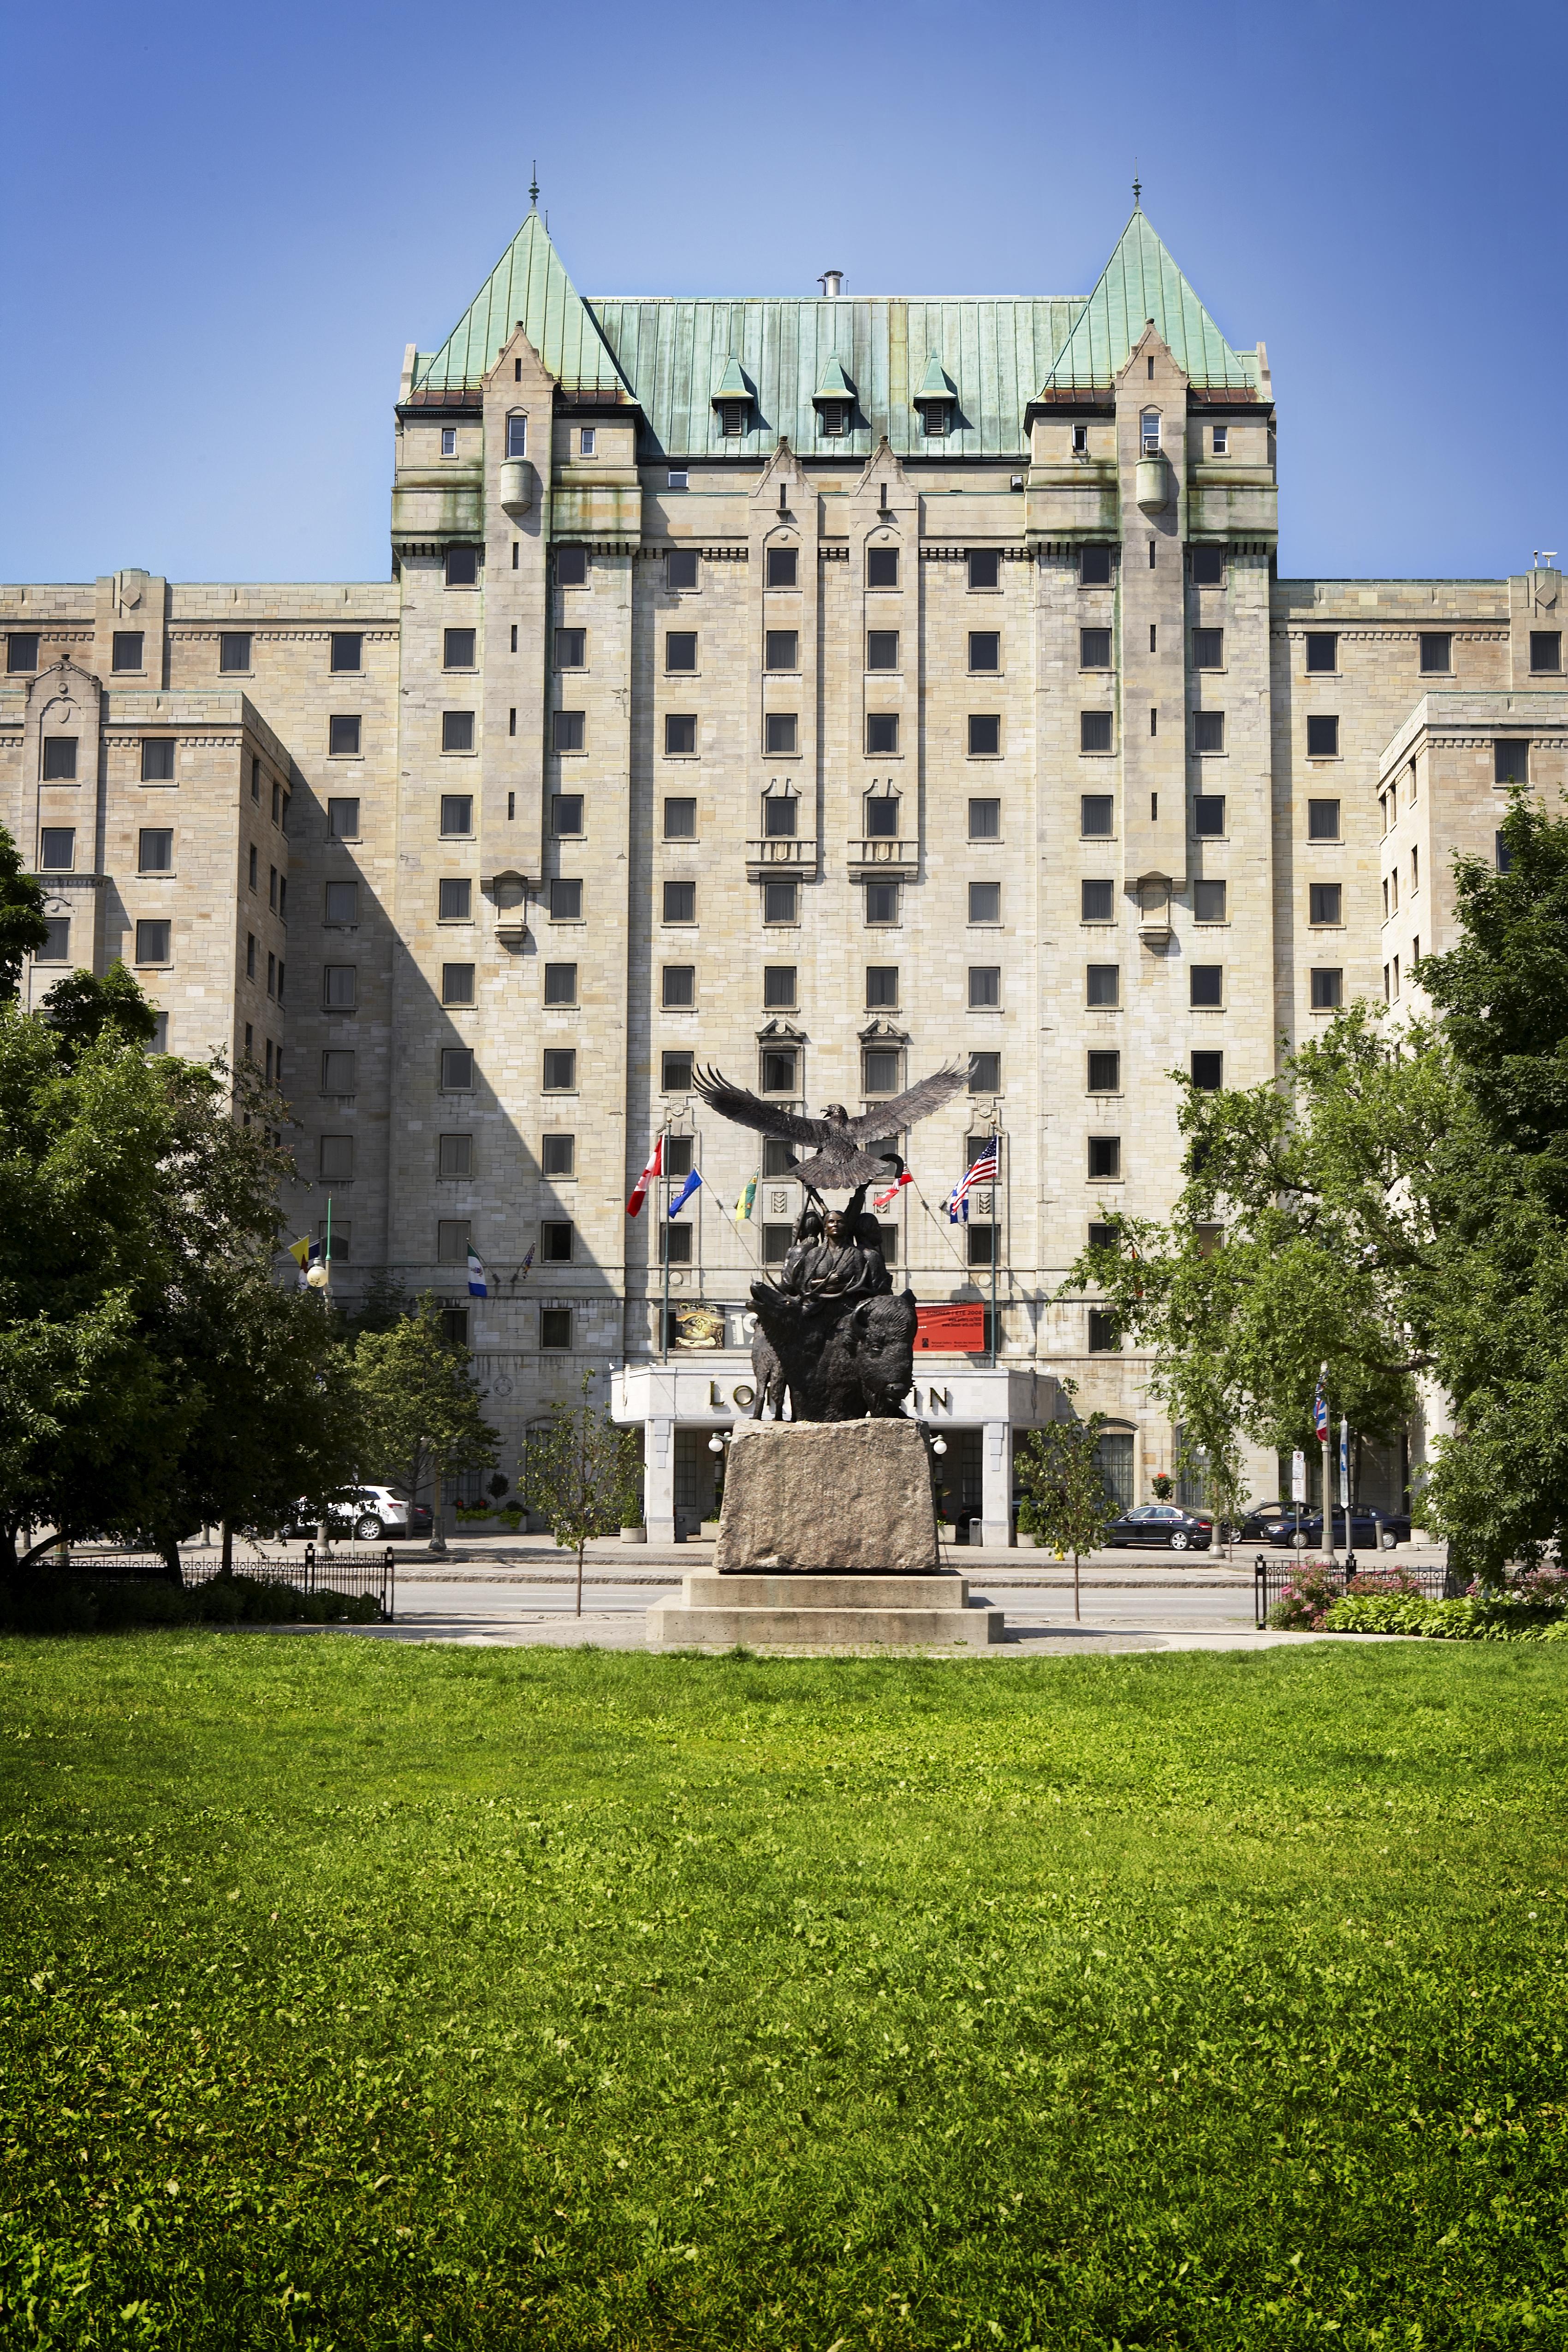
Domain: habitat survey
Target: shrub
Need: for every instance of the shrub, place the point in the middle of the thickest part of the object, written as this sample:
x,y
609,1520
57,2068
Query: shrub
x,y
1306,1600
1488,1617
69,1604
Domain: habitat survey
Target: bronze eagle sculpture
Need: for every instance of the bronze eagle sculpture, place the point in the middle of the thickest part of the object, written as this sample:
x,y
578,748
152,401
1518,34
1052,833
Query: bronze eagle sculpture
x,y
841,1162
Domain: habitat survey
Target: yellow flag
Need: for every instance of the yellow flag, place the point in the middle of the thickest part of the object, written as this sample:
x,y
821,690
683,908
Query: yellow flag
x,y
299,1251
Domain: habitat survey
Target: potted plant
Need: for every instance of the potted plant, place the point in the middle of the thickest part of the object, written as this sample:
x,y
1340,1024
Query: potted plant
x,y
1028,1527
1164,1486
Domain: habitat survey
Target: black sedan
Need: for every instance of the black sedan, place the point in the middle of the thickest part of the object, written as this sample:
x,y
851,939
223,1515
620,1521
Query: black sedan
x,y
1161,1524
1275,1523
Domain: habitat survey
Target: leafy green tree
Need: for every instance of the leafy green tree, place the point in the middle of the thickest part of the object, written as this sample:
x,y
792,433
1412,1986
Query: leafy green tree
x,y
580,1469
23,926
1059,1471
420,1404
81,1007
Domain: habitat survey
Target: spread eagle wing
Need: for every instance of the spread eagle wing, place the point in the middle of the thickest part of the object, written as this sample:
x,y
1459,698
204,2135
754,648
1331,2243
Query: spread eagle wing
x,y
750,1110
919,1102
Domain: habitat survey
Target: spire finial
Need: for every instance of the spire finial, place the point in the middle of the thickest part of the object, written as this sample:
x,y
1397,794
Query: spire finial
x,y
533,184
1137,187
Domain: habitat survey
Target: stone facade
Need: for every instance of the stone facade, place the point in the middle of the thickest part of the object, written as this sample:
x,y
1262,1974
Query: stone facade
x,y
685,729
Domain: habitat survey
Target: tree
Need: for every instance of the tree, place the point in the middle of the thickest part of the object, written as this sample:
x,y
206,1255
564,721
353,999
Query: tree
x,y
79,1009
581,1467
420,1404
22,925
1059,1469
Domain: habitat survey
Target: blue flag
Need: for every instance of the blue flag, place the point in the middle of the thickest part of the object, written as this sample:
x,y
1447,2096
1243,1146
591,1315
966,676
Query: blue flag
x,y
687,1189
478,1285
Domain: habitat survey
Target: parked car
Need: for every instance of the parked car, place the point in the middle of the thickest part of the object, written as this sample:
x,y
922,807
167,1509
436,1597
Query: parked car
x,y
1163,1524
374,1513
1275,1523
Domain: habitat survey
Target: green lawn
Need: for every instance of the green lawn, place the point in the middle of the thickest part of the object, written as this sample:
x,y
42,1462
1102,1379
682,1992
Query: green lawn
x,y
359,1995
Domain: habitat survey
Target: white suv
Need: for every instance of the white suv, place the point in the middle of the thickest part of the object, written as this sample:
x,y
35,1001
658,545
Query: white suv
x,y
375,1512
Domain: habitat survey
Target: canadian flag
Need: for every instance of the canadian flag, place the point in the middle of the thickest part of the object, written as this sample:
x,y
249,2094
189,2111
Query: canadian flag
x,y
639,1189
881,1200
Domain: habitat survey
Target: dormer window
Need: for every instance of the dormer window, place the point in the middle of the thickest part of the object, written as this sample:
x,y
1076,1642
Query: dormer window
x,y
1148,433
936,401
732,400
832,401
834,416
731,419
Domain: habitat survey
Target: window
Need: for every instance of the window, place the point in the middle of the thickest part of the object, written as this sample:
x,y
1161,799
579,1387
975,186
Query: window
x,y
881,902
984,820
985,902
1094,567
565,900
675,1074
21,654
781,649
555,1242
255,866
1205,567
56,947
1323,821
731,418
1104,1156
60,758
158,760
779,1066
57,853
126,651
882,732
779,813
1205,986
155,850
452,1236
781,902
516,435
566,815
1102,1332
1323,652
448,440
340,987
984,568
677,1150
984,987
680,649
882,567
588,441
1096,815
335,1160
680,820
679,735
558,1155
1511,763
456,815
779,732
782,567
881,817
778,1157
457,648
555,1328
1208,1072
1503,853
881,649
1094,650
1208,648
560,983
675,1243
338,1072
1148,431
454,898
1208,902
348,650
881,987
462,567
984,735
455,1326
981,1243
233,650
272,888
1080,440
779,986
570,647
1208,816
984,650
342,820
986,1073
152,942
571,567
343,735
1220,441
1545,651
457,1069
560,1069
250,955
1323,902
1208,730
455,1156
1097,902
1328,990
458,730
679,987
1104,1072
1094,730
680,902
879,1070
1322,738
680,568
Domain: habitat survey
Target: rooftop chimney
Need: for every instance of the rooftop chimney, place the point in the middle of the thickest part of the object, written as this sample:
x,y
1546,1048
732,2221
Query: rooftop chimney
x,y
832,283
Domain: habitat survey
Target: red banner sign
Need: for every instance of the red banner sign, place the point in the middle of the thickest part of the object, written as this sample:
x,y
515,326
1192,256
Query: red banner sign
x,y
957,1329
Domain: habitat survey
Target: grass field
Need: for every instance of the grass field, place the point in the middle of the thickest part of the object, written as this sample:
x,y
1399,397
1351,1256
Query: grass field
x,y
360,1995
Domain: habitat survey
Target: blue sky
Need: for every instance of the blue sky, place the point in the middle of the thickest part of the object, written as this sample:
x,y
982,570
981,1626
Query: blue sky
x,y
224,225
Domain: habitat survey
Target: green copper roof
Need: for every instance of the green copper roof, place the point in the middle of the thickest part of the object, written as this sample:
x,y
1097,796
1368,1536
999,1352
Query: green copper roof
x,y
529,285
1141,282
731,384
936,384
833,383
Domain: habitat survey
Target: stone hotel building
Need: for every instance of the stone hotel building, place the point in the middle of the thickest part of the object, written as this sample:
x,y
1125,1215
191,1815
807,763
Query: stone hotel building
x,y
824,688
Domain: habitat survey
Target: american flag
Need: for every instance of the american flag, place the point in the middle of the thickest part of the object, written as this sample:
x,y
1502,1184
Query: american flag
x,y
980,1170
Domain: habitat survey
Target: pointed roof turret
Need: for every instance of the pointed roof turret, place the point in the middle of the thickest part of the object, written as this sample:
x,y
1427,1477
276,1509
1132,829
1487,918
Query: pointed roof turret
x,y
528,289
731,384
1140,285
833,383
936,384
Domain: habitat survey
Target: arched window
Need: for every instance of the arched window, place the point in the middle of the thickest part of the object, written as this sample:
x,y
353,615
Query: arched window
x,y
1148,433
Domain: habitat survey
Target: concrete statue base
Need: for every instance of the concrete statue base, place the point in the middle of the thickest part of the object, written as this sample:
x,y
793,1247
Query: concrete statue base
x,y
828,1541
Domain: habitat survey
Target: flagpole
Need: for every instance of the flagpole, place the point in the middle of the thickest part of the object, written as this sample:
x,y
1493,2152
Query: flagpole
x,y
328,1237
1327,1494
661,1204
995,1238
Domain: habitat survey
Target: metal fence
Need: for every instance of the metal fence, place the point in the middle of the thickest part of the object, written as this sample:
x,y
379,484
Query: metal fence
x,y
1272,1574
354,1570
